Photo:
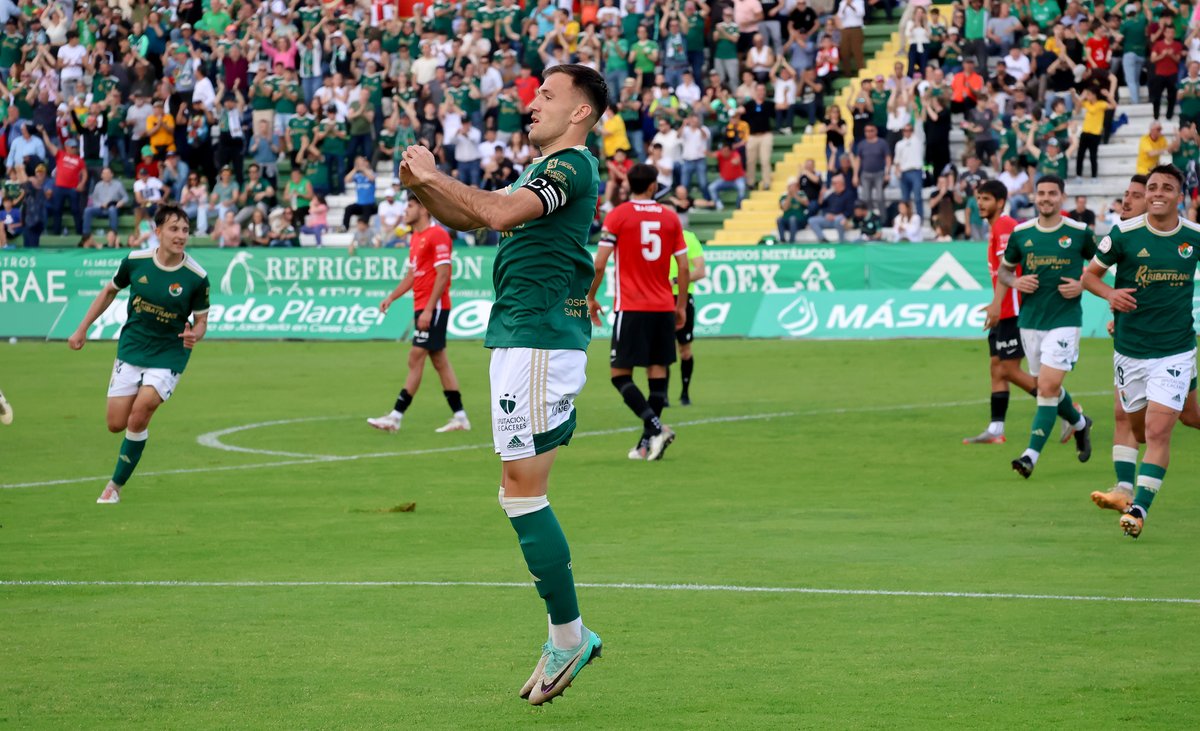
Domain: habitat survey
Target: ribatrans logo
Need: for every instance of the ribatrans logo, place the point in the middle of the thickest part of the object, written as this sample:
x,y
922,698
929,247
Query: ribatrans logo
x,y
799,318
508,402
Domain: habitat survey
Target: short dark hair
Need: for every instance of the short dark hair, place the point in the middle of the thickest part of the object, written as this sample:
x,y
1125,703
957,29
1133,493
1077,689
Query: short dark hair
x,y
641,177
1053,180
994,188
1139,179
1171,170
169,210
587,80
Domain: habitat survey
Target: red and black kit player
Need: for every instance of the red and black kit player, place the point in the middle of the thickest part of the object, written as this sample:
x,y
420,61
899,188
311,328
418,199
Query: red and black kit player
x,y
428,277
1004,337
643,236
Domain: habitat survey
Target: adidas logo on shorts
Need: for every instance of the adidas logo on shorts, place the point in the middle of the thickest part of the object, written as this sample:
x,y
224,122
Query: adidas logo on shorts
x,y
516,443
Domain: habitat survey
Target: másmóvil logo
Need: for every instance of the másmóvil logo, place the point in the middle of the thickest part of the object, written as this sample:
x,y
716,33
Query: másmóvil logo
x,y
799,318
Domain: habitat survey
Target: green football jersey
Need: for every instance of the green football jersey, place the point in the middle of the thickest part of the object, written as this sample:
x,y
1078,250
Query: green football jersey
x,y
1161,266
543,272
1189,97
283,104
509,118
1051,254
161,300
300,127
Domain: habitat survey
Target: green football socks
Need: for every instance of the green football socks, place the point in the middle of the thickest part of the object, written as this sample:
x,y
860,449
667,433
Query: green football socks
x,y
1149,480
549,560
1066,408
1125,465
131,453
1043,423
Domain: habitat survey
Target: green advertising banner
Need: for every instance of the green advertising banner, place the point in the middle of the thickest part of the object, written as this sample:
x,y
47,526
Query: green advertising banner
x,y
811,291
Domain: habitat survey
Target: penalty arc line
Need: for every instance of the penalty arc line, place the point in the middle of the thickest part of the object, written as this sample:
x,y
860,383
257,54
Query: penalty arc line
x,y
728,588
213,440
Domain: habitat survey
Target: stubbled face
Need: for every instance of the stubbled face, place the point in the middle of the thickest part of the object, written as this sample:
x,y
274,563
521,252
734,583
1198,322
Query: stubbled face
x,y
1134,202
1162,194
556,103
1048,199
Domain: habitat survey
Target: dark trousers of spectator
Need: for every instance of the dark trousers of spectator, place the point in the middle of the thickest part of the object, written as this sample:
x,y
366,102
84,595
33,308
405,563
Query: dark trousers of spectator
x,y
788,227
813,111
334,164
90,213
231,152
851,52
917,59
360,145
71,197
976,49
912,189
1089,144
964,107
696,60
695,171
362,210
469,172
33,234
1157,85
784,117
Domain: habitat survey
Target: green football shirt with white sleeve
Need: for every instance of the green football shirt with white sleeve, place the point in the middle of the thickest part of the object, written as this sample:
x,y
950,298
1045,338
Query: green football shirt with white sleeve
x,y
1051,254
161,299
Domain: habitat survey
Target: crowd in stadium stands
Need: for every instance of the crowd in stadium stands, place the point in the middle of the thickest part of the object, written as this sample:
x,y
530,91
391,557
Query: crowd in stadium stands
x,y
252,114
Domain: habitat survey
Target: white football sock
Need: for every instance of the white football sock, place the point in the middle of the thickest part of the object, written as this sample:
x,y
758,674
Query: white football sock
x,y
1032,455
396,415
566,636
996,428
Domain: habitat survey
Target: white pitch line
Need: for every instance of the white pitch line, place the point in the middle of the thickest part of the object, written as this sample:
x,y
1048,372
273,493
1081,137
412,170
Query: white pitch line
x,y
729,588
314,459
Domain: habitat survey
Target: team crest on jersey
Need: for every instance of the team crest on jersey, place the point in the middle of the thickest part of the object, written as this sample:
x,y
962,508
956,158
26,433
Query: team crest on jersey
x,y
508,402
1064,241
175,289
1185,250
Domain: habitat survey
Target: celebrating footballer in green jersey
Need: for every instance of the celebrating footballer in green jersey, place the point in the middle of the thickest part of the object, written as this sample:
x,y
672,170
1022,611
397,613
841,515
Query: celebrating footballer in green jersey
x,y
1051,251
1154,358
538,332
166,288
1125,444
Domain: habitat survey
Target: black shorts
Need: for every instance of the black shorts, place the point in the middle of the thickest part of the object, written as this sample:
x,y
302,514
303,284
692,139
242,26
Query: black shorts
x,y
643,339
1004,340
684,336
433,339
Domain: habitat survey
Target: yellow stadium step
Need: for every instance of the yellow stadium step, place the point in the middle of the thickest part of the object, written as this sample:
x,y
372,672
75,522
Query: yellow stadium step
x,y
756,216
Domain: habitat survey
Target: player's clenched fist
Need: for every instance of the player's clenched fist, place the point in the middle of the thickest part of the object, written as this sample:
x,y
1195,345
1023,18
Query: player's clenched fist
x,y
417,166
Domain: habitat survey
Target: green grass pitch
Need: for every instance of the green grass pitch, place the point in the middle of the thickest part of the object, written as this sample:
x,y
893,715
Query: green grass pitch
x,y
859,482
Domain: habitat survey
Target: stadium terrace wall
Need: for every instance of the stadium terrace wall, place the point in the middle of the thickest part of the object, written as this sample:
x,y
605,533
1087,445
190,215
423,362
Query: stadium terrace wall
x,y
849,291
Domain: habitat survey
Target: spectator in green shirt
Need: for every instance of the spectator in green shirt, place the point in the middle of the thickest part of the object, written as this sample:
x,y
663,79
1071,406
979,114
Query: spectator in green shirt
x,y
1133,29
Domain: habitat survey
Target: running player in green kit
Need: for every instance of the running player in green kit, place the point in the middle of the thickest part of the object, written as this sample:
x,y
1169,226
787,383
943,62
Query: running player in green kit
x,y
166,287
1052,251
538,332
1154,351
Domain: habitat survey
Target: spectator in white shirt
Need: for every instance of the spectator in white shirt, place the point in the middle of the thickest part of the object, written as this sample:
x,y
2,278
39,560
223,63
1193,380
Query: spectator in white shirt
x,y
694,137
907,226
688,93
850,15
671,144
466,152
908,160
203,94
1018,184
70,64
1017,64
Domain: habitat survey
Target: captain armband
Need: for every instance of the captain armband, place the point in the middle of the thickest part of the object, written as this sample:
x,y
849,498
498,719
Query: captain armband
x,y
551,195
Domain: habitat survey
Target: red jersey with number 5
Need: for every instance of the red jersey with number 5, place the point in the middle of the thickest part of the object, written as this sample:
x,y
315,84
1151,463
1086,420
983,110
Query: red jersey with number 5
x,y
644,236
997,243
428,250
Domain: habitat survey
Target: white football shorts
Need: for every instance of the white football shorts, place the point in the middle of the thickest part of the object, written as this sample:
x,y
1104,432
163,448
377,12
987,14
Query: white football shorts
x,y
533,399
1057,348
128,378
1161,380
